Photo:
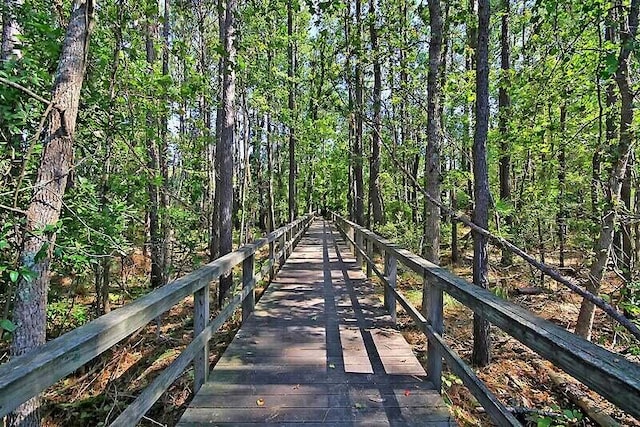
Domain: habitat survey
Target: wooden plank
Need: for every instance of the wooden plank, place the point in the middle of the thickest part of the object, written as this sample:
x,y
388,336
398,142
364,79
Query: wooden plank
x,y
317,342
356,414
609,374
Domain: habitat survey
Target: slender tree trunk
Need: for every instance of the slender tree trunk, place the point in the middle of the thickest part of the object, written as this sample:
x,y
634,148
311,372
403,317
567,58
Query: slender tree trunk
x,y
626,259
227,143
622,77
562,178
357,145
29,313
292,111
481,339
375,197
11,31
156,243
165,222
431,245
504,107
214,243
270,202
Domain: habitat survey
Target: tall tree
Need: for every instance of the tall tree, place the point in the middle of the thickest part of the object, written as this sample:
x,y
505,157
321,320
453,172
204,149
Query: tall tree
x,y
504,104
227,140
154,149
431,249
291,55
481,340
375,198
29,313
357,140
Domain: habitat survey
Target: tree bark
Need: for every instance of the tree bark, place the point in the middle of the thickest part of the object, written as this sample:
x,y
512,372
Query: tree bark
x,y
291,54
357,141
562,183
504,106
481,339
431,245
156,240
11,31
622,78
29,312
375,198
227,142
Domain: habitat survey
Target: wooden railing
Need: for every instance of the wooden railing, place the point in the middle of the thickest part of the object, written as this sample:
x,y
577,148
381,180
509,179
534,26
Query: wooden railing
x,y
28,375
607,373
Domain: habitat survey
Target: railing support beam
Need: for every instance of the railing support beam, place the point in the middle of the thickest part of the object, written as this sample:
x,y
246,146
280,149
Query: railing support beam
x,y
433,310
391,273
201,301
248,280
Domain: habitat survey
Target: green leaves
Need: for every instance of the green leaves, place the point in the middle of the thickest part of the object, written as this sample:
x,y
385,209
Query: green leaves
x,y
7,325
610,66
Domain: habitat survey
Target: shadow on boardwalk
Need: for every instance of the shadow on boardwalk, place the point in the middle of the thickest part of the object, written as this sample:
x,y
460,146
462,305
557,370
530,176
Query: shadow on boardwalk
x,y
318,349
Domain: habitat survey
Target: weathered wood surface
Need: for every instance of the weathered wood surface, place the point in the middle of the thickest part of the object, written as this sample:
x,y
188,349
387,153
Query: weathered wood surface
x,y
609,374
318,349
25,376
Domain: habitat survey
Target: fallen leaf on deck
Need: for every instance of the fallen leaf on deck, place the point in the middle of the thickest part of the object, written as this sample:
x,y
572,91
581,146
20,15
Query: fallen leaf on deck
x,y
377,399
407,392
260,402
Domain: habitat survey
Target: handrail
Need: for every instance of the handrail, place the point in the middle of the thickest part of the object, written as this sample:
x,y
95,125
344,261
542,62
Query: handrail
x,y
609,374
28,375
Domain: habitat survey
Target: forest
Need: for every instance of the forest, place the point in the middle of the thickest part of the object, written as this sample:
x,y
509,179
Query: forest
x,y
139,141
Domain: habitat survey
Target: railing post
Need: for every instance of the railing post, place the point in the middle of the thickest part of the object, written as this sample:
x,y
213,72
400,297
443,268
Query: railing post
x,y
201,302
433,299
370,245
272,259
359,245
249,301
391,273
281,249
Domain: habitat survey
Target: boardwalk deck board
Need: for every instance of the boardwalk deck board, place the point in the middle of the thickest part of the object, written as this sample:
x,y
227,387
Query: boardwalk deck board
x,y
319,349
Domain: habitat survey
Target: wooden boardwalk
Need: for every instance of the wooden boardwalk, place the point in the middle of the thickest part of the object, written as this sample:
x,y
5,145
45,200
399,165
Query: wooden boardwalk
x,y
318,349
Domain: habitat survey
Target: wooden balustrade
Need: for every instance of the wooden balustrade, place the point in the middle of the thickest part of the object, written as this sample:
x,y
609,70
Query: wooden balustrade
x,y
607,373
28,375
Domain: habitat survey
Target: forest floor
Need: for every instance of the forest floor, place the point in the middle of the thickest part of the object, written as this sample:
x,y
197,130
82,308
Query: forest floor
x,y
96,394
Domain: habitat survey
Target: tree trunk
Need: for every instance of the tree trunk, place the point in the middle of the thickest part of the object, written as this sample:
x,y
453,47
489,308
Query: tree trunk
x,y
11,31
29,313
504,106
357,141
291,54
214,242
270,202
156,240
603,246
481,339
375,198
626,259
562,178
227,143
431,244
